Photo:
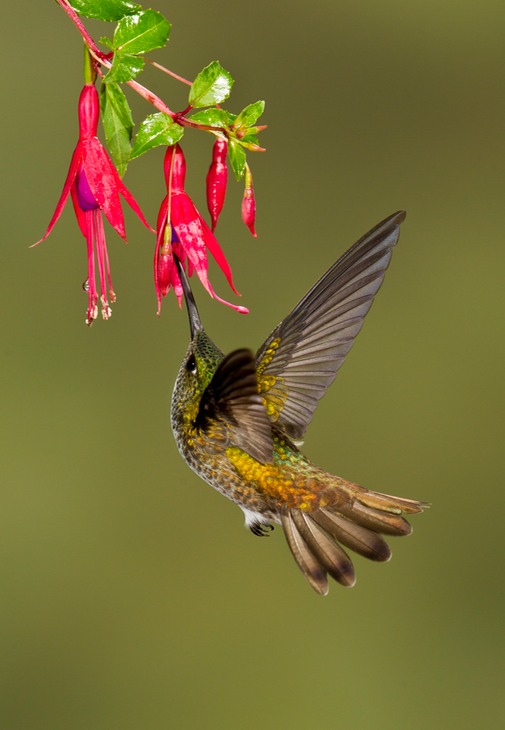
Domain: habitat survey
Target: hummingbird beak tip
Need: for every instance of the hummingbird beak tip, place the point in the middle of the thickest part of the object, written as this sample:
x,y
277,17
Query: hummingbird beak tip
x,y
195,324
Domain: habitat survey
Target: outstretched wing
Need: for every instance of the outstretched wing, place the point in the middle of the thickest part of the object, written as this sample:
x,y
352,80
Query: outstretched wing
x,y
301,357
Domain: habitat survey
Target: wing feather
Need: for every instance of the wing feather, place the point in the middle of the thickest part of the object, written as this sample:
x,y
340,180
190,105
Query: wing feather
x,y
232,395
301,357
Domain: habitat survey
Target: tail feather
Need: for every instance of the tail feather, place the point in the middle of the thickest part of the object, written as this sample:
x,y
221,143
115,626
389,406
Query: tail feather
x,y
356,537
327,552
376,511
358,523
308,564
389,503
382,522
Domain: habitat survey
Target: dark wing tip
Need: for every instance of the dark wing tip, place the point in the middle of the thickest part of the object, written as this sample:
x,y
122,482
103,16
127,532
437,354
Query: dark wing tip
x,y
398,217
381,230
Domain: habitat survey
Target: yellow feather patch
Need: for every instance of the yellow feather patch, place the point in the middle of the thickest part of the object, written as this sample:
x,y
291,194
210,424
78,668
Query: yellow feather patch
x,y
269,355
271,384
276,483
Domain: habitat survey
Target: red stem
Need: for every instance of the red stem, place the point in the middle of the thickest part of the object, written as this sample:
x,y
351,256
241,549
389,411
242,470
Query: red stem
x,y
82,30
167,71
153,99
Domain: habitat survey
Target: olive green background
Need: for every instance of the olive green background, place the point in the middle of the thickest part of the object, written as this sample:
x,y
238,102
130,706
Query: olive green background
x,y
132,595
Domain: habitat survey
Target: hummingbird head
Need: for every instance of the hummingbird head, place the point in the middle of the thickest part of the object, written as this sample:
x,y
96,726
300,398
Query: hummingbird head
x,y
200,361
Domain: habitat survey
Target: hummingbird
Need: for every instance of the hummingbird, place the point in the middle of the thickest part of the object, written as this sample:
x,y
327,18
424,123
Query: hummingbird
x,y
239,420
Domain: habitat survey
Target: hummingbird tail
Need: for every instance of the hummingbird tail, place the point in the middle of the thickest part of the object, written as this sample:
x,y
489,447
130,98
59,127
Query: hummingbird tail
x,y
315,538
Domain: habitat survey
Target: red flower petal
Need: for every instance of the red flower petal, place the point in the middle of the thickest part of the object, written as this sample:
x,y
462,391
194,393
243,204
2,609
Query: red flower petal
x,y
186,222
75,163
193,234
217,253
79,213
99,172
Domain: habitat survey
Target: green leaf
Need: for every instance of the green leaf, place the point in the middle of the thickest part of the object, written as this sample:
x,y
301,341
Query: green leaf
x,y
156,129
141,32
214,117
211,86
105,9
107,42
124,67
250,115
237,157
117,123
250,139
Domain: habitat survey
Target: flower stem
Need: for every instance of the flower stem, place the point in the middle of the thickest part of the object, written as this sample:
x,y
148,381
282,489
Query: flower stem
x,y
167,71
82,30
88,70
152,99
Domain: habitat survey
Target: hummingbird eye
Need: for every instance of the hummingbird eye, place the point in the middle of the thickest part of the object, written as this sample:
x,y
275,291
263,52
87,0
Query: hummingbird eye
x,y
191,364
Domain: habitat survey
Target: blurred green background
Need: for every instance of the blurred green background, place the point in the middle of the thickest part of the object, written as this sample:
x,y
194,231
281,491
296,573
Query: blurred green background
x,y
132,595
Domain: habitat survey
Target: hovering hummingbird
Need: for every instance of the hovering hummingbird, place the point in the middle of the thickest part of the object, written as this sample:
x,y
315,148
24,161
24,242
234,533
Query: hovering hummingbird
x,y
239,420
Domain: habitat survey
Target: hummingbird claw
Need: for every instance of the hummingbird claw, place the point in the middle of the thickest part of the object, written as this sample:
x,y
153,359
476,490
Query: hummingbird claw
x,y
260,529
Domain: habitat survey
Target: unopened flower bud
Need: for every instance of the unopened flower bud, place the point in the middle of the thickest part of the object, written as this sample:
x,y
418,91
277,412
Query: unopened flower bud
x,y
249,202
217,179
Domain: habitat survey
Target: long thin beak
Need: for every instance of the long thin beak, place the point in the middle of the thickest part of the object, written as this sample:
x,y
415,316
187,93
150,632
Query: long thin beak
x,y
195,324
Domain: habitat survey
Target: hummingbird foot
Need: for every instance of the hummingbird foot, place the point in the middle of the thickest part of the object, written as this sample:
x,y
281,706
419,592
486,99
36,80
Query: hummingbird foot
x,y
257,523
261,529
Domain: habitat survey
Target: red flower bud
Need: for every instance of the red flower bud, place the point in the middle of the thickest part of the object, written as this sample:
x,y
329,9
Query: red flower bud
x,y
217,179
249,202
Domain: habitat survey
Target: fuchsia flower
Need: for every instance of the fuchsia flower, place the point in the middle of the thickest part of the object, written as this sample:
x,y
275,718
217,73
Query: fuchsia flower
x,y
95,187
182,231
